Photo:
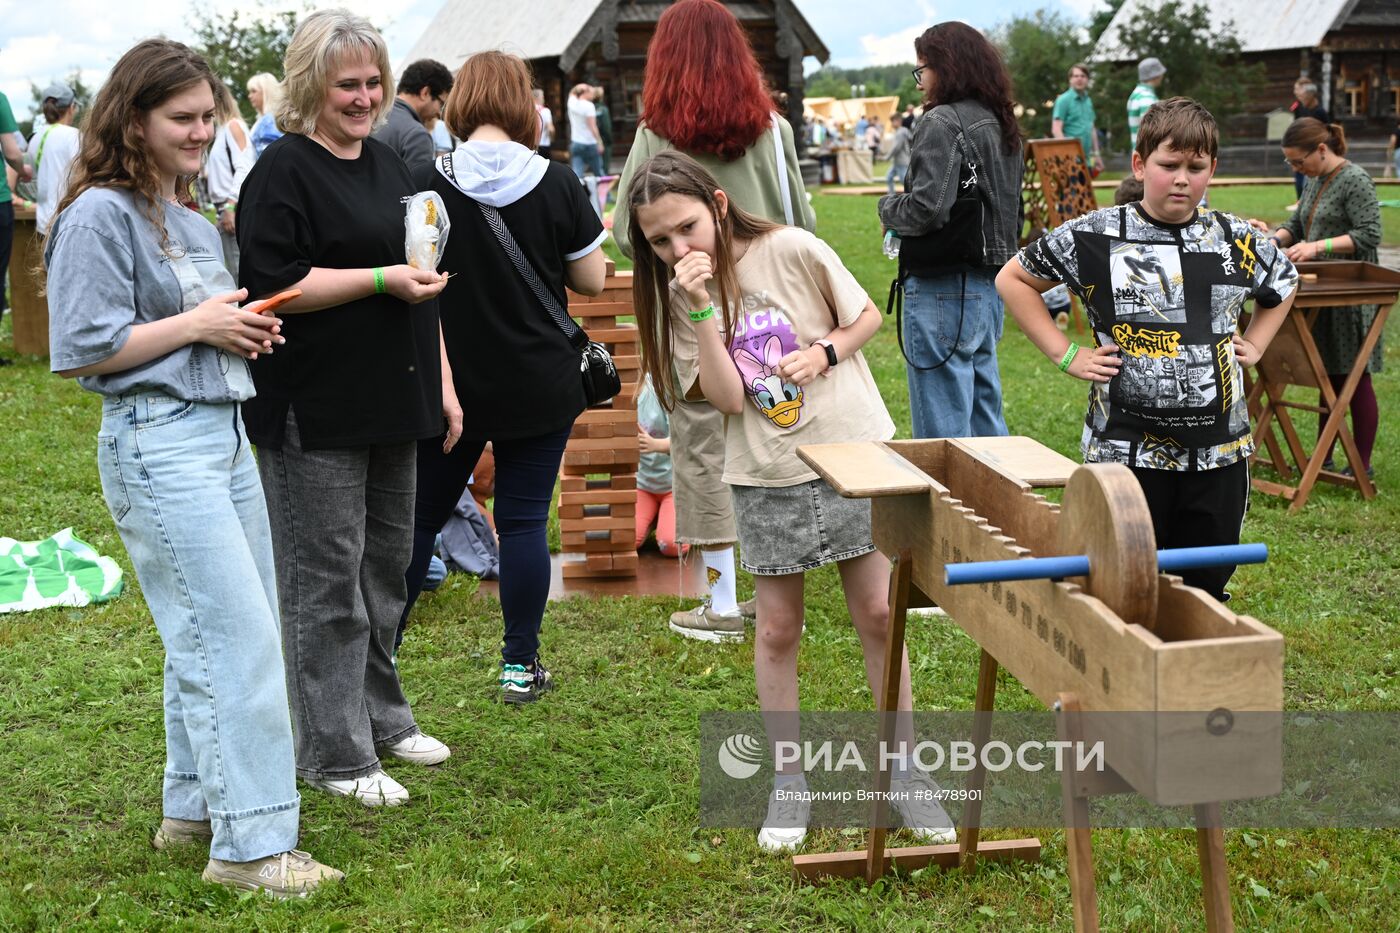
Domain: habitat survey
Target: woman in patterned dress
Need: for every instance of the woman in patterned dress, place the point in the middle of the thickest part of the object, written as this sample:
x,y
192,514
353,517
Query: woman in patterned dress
x,y
1338,216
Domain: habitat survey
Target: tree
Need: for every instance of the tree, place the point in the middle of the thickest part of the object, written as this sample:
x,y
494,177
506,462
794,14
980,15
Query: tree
x,y
1039,50
1201,62
828,82
244,42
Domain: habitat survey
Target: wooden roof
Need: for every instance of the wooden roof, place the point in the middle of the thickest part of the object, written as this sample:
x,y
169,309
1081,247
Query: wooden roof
x,y
564,29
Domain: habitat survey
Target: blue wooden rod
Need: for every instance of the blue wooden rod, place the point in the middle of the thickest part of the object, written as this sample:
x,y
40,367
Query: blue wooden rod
x,y
1057,568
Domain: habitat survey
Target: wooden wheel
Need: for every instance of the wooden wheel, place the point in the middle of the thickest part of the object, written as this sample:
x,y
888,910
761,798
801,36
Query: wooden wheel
x,y
1104,515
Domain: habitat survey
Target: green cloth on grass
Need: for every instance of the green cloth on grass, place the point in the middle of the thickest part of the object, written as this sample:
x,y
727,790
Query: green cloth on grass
x,y
61,570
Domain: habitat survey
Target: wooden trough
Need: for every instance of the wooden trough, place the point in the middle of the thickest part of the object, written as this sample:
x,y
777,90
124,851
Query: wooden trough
x,y
1126,638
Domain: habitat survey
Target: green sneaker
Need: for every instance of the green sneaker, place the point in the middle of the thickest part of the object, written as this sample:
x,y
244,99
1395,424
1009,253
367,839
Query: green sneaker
x,y
521,684
173,832
291,874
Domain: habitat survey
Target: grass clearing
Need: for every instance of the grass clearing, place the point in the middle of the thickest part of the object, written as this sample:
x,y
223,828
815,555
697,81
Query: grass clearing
x,y
581,812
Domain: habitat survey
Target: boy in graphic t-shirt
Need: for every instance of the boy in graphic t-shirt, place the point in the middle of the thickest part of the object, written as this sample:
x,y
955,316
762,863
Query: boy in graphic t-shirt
x,y
1164,284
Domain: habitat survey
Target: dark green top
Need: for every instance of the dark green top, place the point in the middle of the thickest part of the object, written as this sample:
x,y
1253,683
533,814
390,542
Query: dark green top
x,y
1347,207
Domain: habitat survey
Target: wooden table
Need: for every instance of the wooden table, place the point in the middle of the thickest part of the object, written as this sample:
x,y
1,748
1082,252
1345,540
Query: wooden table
x,y
1293,360
30,309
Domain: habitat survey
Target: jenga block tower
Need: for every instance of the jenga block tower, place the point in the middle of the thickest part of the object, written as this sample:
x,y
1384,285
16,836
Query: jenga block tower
x,y
598,479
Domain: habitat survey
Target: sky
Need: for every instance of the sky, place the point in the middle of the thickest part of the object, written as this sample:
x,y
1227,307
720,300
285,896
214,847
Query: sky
x,y
45,41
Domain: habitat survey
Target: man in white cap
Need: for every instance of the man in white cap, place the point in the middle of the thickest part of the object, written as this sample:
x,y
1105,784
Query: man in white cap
x,y
1150,72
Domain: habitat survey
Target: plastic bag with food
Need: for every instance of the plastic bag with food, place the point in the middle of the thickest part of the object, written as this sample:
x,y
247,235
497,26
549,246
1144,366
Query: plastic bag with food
x,y
425,230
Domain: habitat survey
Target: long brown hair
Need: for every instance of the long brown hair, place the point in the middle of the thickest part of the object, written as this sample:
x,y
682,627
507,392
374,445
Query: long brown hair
x,y
673,172
968,67
112,153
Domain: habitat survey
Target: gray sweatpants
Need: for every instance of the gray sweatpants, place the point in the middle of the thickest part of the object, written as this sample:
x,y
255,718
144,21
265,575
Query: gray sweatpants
x,y
342,535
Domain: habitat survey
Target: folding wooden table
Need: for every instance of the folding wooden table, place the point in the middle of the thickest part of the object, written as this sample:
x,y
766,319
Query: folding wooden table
x,y
1293,360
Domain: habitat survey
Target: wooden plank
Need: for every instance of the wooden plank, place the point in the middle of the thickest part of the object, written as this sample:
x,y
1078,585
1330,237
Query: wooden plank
x,y
863,469
597,496
579,542
598,524
1215,877
815,867
1022,458
606,416
596,309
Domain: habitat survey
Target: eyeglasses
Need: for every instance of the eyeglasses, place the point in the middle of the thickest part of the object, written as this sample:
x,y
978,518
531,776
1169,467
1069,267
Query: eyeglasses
x,y
1299,163
918,74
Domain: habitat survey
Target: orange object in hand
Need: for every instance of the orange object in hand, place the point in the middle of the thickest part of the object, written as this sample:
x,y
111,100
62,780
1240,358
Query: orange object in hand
x,y
267,304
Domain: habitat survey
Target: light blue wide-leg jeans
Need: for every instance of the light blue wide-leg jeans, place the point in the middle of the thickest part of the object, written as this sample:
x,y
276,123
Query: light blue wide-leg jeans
x,y
182,486
945,320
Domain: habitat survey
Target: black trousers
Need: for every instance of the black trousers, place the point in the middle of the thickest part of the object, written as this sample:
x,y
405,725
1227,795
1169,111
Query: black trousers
x,y
7,237
1198,508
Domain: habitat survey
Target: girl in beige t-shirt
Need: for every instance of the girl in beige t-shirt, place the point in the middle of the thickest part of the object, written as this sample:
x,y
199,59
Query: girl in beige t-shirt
x,y
790,313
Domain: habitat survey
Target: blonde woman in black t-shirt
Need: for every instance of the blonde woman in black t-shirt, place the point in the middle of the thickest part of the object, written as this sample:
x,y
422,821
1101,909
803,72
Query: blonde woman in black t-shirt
x,y
338,415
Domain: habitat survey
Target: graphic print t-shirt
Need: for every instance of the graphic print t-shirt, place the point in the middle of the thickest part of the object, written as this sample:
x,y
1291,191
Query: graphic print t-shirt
x,y
794,291
1169,296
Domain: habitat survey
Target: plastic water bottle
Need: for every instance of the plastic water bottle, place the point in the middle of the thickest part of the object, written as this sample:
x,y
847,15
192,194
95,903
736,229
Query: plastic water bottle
x,y
891,245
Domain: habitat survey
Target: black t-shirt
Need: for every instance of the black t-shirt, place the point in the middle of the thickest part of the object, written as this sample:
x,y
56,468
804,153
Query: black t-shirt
x,y
515,372
1319,112
367,371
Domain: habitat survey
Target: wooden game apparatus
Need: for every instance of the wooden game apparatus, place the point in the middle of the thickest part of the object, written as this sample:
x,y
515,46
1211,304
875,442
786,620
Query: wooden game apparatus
x,y
1125,638
1292,359
597,515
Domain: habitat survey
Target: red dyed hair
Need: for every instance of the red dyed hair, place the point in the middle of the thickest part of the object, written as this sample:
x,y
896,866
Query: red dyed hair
x,y
703,90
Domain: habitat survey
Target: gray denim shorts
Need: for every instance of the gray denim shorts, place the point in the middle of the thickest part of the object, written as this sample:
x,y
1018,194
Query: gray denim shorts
x,y
790,529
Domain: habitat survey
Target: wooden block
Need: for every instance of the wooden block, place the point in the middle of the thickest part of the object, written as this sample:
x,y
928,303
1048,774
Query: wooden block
x,y
612,309
599,496
567,512
1023,458
578,542
606,416
575,569
626,443
603,524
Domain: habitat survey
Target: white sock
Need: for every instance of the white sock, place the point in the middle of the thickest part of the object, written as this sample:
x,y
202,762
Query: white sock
x,y
719,572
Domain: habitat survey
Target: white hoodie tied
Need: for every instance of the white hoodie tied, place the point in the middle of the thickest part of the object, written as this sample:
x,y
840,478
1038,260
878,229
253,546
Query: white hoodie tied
x,y
494,173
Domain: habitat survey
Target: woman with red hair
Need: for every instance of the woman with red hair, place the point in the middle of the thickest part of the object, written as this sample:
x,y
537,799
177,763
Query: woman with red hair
x,y
704,94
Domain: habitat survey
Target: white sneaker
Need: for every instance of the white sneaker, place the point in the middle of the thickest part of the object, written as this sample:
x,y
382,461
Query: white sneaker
x,y
785,826
915,800
372,790
420,749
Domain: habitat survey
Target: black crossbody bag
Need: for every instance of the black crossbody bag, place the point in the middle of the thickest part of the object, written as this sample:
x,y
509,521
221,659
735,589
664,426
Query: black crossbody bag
x,y
600,379
957,246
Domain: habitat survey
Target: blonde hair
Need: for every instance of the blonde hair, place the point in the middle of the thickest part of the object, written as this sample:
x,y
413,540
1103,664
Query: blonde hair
x,y
321,42
271,91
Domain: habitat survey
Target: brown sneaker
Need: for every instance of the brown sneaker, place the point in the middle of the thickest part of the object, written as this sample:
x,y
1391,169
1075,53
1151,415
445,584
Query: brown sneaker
x,y
703,624
291,874
749,609
175,832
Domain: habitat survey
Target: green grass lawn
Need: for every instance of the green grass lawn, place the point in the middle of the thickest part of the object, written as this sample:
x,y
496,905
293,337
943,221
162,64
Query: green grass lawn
x,y
581,812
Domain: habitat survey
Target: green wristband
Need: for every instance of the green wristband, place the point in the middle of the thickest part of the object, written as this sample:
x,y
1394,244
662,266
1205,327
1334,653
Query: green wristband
x,y
1329,246
703,315
379,286
1069,356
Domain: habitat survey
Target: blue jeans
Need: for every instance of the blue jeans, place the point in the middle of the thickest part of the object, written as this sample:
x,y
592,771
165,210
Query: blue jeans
x,y
961,398
584,156
526,468
180,482
896,174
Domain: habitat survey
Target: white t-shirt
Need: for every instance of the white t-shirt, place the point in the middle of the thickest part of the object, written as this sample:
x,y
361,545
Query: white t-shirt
x,y
580,111
60,149
546,124
795,291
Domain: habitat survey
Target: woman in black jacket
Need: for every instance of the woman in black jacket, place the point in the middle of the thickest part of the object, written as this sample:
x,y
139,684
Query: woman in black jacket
x,y
953,316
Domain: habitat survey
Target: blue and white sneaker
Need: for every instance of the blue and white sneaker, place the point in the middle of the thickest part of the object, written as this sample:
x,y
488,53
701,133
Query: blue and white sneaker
x,y
521,684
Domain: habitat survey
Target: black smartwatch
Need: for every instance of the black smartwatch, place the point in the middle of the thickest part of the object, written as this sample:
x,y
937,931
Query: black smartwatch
x,y
830,351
